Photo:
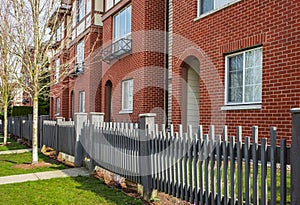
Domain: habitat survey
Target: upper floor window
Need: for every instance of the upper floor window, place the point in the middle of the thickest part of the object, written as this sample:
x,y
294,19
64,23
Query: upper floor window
x,y
205,6
57,70
80,56
81,10
244,77
110,3
57,106
82,101
122,23
127,95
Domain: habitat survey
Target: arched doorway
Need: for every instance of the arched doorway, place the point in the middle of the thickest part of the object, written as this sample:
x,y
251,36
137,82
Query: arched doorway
x,y
108,96
190,92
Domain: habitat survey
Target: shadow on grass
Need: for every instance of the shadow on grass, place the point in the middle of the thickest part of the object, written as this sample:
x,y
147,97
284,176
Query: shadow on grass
x,y
111,195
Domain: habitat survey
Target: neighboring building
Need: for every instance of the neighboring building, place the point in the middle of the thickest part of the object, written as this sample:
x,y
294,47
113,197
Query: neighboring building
x,y
78,36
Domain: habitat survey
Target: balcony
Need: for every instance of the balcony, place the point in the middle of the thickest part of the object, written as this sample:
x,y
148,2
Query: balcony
x,y
64,7
78,69
116,50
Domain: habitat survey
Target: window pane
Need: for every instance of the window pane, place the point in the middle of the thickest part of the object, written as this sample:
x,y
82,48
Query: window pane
x,y
206,6
57,106
122,23
235,95
109,4
125,96
81,10
235,79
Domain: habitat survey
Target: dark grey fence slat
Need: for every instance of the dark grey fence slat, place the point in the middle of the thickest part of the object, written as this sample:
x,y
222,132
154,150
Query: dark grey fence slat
x,y
191,171
212,163
176,157
283,173
255,164
181,144
239,164
195,155
219,171
200,168
247,170
225,173
185,164
206,169
232,170
264,199
273,165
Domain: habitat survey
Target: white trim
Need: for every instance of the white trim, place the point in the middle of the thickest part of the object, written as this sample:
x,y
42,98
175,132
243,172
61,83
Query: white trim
x,y
242,107
212,11
126,112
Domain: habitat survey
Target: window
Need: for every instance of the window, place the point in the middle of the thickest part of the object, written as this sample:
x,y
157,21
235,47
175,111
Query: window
x,y
127,95
110,3
57,106
122,24
205,6
82,101
57,65
81,10
80,56
244,77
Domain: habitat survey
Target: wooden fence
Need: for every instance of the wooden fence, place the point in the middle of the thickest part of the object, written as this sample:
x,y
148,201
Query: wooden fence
x,y
198,168
59,135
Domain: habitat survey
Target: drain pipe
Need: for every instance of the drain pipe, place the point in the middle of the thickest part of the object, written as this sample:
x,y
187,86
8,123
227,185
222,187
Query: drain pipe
x,y
167,12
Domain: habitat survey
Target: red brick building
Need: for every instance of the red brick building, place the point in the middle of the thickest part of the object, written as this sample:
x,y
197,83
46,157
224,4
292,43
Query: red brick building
x,y
77,43
133,75
246,56
221,62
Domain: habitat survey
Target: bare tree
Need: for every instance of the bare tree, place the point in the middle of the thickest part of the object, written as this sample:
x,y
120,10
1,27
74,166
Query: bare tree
x,y
9,64
32,45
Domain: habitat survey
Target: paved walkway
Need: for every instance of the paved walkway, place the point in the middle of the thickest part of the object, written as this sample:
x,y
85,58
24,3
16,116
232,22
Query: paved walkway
x,y
19,151
73,172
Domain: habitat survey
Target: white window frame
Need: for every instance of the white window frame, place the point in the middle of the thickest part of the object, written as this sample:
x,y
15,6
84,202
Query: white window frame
x,y
113,3
244,79
82,101
58,106
81,10
129,94
114,24
80,55
214,9
57,70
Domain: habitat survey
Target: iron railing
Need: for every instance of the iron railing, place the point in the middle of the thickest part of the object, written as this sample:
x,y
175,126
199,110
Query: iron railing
x,y
116,50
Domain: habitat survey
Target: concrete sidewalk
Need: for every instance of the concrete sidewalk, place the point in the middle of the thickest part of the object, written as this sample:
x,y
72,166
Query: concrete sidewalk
x,y
73,172
19,151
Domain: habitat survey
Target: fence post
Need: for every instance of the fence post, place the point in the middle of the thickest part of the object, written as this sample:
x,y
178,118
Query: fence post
x,y
147,126
295,157
96,118
80,120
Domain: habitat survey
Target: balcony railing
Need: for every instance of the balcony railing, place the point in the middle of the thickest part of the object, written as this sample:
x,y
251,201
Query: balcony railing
x,y
78,68
116,50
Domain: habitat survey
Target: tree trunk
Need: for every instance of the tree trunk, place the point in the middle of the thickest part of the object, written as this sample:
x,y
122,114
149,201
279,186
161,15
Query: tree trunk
x,y
35,130
5,124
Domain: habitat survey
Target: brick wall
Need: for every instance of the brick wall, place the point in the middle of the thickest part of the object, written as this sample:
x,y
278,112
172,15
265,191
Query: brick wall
x,y
145,65
272,24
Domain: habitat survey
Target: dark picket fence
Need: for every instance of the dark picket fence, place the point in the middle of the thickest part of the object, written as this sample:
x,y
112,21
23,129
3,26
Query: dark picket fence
x,y
22,126
59,136
198,168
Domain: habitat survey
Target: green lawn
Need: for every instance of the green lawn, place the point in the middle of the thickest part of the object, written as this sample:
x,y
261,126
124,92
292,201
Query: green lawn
x,y
11,146
79,190
7,163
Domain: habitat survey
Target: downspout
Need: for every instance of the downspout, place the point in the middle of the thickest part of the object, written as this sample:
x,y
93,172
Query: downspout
x,y
167,65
